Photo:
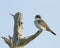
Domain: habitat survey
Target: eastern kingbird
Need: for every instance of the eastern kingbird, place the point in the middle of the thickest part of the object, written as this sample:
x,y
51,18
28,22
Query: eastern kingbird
x,y
41,25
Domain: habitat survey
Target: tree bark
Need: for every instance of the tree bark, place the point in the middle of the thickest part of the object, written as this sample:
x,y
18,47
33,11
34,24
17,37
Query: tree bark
x,y
18,41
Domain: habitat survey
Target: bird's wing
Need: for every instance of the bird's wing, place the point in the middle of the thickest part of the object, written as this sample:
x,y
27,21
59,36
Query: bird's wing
x,y
41,22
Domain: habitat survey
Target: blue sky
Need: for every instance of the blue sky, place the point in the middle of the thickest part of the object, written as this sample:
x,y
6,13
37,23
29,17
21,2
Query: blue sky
x,y
49,11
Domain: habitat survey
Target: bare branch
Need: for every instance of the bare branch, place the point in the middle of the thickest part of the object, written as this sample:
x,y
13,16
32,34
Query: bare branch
x,y
11,14
18,41
26,41
6,40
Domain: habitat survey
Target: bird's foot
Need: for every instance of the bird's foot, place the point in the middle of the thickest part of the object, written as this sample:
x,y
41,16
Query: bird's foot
x,y
40,30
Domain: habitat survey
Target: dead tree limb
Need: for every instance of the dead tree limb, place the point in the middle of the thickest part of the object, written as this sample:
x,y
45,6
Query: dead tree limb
x,y
30,38
18,41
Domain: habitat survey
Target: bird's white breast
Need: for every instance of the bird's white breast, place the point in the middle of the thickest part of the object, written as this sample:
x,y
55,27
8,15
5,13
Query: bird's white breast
x,y
39,26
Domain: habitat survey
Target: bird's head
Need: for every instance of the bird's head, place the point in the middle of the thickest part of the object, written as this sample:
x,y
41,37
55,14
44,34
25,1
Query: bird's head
x,y
37,17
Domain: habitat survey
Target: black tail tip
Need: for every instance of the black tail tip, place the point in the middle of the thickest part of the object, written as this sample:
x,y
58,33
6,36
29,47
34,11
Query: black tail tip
x,y
53,33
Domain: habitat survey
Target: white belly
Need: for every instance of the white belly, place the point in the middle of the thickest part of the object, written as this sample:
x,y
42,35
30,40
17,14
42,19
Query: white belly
x,y
39,26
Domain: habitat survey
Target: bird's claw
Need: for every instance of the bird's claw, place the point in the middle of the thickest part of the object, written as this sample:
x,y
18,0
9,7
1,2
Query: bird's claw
x,y
40,30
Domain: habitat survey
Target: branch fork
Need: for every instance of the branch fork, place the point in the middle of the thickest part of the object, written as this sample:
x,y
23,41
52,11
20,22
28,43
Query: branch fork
x,y
18,41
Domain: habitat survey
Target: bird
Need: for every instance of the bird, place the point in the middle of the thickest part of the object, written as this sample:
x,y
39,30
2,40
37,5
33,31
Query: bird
x,y
42,25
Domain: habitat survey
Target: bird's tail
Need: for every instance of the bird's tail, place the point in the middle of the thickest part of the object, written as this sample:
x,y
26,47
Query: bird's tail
x,y
51,32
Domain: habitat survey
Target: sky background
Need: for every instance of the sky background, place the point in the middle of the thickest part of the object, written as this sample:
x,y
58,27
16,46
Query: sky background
x,y
49,11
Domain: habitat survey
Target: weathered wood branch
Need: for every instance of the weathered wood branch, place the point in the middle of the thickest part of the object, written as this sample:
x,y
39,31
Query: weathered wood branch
x,y
18,41
30,38
18,28
7,40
